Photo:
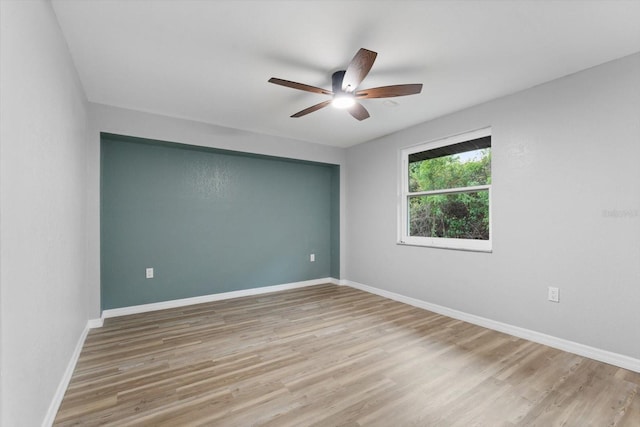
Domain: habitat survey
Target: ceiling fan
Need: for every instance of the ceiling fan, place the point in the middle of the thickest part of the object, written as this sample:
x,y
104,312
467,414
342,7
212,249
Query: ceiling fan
x,y
344,85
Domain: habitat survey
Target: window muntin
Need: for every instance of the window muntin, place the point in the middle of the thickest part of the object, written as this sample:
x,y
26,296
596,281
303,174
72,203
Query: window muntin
x,y
446,193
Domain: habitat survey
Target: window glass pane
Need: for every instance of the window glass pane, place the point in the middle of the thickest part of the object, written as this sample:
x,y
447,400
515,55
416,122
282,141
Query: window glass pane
x,y
458,170
458,215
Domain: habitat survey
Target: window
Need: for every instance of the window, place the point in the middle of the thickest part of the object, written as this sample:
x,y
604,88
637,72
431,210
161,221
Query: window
x,y
446,193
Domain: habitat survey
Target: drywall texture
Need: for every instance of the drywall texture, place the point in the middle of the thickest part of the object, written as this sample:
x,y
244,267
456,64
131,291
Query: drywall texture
x,y
209,221
566,212
42,202
152,126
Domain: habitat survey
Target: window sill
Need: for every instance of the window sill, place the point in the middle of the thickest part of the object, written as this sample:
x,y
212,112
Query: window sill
x,y
485,247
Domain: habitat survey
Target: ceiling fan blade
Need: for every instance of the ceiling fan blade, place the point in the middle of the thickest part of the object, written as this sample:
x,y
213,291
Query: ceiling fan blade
x,y
358,111
300,86
358,69
312,109
389,91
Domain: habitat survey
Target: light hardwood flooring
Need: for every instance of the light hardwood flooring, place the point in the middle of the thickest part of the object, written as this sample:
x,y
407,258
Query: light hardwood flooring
x,y
333,356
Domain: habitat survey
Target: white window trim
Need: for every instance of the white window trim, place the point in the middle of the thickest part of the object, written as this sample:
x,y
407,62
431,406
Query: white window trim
x,y
403,195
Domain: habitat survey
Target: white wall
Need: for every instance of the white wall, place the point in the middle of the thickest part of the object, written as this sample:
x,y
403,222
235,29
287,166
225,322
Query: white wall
x,y
566,212
42,210
121,121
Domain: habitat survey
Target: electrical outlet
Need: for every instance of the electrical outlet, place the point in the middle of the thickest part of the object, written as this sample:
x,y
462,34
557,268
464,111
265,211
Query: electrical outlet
x,y
553,294
312,258
149,273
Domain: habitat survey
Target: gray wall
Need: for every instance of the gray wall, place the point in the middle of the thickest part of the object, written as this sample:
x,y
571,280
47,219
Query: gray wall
x,y
43,306
566,203
152,126
210,221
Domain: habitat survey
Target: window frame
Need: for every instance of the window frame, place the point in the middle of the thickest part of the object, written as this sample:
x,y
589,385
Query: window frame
x,y
404,196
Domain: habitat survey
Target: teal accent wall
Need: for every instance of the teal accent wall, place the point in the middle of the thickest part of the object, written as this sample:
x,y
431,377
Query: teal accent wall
x,y
210,221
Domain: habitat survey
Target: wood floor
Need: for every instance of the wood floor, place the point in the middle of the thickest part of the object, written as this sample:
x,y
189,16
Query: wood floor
x,y
333,356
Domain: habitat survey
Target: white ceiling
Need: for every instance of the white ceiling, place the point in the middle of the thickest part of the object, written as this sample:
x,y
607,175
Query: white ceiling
x,y
210,60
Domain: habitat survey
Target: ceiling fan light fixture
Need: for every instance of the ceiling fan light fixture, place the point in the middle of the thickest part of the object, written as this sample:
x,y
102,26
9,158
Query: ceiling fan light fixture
x,y
343,101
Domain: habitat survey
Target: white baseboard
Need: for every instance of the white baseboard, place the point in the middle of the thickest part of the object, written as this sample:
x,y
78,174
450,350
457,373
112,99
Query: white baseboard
x,y
135,309
95,323
66,377
605,356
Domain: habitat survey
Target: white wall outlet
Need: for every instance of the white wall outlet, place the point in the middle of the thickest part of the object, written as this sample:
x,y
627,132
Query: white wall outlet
x,y
149,273
312,257
553,294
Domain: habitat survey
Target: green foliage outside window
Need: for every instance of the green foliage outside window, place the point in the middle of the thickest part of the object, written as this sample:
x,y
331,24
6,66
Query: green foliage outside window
x,y
463,215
